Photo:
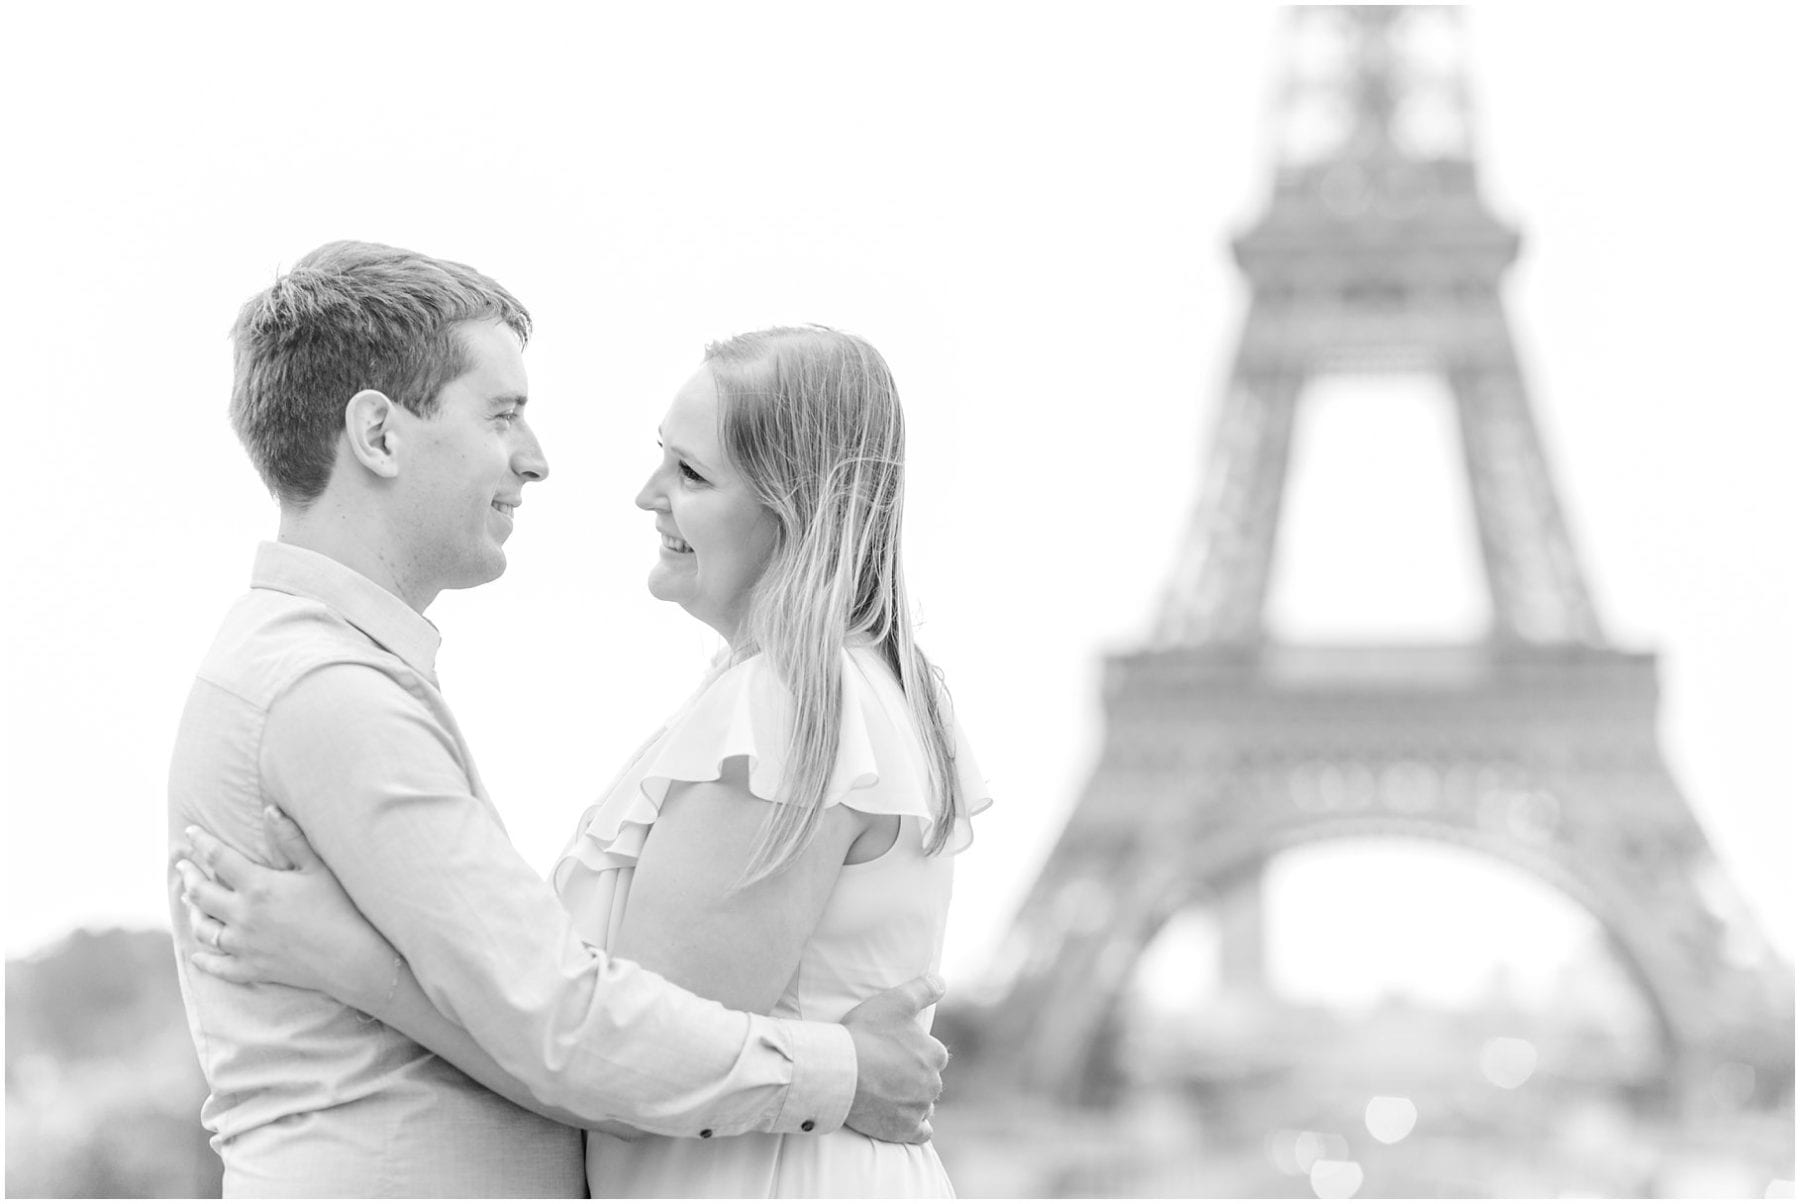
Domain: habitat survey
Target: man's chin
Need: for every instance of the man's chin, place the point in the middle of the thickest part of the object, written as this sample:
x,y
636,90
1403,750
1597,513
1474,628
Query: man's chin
x,y
480,574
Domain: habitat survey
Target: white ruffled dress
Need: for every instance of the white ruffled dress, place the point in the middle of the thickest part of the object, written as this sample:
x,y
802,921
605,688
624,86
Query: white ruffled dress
x,y
883,924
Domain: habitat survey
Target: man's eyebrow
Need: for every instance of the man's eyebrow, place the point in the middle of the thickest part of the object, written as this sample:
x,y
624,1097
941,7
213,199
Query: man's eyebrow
x,y
508,400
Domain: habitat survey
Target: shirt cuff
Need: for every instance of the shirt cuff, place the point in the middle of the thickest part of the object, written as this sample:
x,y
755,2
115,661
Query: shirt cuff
x,y
824,1084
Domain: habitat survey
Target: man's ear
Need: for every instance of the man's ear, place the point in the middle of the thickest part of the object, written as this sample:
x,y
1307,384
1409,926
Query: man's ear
x,y
370,426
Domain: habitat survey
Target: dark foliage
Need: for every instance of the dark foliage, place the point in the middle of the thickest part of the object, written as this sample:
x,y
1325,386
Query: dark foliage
x,y
103,1091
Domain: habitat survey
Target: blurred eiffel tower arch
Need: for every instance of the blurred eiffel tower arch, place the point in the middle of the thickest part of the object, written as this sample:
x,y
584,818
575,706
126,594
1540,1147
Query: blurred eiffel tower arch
x,y
1536,744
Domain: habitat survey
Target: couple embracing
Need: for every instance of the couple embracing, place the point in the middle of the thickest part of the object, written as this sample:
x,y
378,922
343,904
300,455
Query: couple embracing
x,y
725,987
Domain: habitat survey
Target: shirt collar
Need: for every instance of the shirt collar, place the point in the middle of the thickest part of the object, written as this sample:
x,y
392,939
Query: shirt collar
x,y
378,614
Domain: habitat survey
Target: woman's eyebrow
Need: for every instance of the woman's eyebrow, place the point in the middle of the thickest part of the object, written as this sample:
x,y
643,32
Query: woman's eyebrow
x,y
681,453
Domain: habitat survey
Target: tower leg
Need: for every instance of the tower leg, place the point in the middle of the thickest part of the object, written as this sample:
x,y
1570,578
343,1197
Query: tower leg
x,y
1243,969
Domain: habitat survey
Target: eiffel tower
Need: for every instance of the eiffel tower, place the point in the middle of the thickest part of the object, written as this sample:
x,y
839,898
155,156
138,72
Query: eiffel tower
x,y
1535,744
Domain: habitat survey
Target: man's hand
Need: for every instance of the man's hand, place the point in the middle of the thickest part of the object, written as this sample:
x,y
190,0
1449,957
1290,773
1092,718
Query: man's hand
x,y
899,1066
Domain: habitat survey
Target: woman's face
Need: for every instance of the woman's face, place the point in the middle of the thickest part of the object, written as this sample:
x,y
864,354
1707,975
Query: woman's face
x,y
716,536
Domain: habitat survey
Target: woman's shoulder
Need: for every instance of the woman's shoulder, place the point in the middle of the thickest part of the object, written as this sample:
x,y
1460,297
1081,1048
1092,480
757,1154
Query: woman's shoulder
x,y
885,724
738,710
753,675
747,710
754,688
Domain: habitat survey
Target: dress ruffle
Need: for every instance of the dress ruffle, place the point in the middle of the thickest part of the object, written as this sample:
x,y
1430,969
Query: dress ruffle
x,y
747,712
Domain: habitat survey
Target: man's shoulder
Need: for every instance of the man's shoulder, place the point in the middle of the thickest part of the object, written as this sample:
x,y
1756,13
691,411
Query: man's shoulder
x,y
269,640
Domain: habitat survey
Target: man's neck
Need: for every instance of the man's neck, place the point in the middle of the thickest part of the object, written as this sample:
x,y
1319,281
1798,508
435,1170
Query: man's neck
x,y
356,541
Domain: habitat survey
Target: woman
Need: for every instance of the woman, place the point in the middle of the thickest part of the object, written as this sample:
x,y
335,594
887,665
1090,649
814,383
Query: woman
x,y
781,845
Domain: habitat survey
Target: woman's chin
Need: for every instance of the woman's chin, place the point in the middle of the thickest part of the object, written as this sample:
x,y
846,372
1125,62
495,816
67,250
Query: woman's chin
x,y
661,588
672,592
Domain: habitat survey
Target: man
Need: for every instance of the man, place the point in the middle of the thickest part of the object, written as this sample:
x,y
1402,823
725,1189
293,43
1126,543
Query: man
x,y
382,396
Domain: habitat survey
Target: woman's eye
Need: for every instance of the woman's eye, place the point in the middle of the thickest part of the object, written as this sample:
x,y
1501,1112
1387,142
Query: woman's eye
x,y
690,474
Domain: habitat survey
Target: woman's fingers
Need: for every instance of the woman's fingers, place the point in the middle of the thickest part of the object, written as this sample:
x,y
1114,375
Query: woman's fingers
x,y
288,840
220,965
208,932
199,871
221,862
211,907
210,899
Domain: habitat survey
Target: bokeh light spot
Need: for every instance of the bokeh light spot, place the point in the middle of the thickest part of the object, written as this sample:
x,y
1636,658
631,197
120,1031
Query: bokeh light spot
x,y
1508,1061
1335,1179
1390,1118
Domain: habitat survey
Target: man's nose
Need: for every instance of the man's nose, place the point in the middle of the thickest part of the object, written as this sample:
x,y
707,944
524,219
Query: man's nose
x,y
529,461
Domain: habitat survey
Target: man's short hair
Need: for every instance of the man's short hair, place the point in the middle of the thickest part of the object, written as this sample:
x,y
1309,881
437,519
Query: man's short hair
x,y
349,316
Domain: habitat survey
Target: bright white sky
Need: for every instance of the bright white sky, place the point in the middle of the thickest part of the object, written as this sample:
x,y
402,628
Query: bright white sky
x,y
1025,207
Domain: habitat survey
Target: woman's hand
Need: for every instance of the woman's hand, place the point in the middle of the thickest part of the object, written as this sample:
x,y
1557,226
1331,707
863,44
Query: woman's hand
x,y
294,926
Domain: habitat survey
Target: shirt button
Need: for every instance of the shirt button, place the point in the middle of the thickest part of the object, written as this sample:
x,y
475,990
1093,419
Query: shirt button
x,y
806,1126
706,1132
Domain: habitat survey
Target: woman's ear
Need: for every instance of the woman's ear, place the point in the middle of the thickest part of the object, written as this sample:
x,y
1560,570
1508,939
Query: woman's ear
x,y
369,425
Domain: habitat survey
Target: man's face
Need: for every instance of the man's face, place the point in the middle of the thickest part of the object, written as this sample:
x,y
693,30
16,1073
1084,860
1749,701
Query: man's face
x,y
465,467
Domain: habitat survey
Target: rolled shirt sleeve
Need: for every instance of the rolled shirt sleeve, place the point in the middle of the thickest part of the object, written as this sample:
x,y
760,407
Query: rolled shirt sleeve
x,y
381,783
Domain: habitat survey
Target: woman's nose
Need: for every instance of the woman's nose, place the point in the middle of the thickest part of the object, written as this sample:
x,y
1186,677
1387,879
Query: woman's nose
x,y
650,497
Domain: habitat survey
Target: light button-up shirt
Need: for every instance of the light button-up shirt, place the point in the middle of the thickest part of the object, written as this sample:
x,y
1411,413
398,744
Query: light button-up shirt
x,y
320,696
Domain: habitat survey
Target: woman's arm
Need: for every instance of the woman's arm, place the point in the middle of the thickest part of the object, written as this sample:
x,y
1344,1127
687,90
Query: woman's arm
x,y
256,924
686,922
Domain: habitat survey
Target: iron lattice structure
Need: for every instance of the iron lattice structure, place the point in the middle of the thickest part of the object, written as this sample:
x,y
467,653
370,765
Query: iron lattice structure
x,y
1536,745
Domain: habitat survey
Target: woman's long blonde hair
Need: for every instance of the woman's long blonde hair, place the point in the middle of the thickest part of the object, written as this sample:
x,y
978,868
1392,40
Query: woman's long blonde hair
x,y
811,418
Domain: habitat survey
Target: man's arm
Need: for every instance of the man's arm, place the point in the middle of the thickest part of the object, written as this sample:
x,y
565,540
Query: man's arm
x,y
408,1009
293,925
374,779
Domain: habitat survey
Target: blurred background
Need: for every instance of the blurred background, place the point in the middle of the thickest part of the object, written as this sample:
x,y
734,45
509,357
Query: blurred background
x,y
1400,886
